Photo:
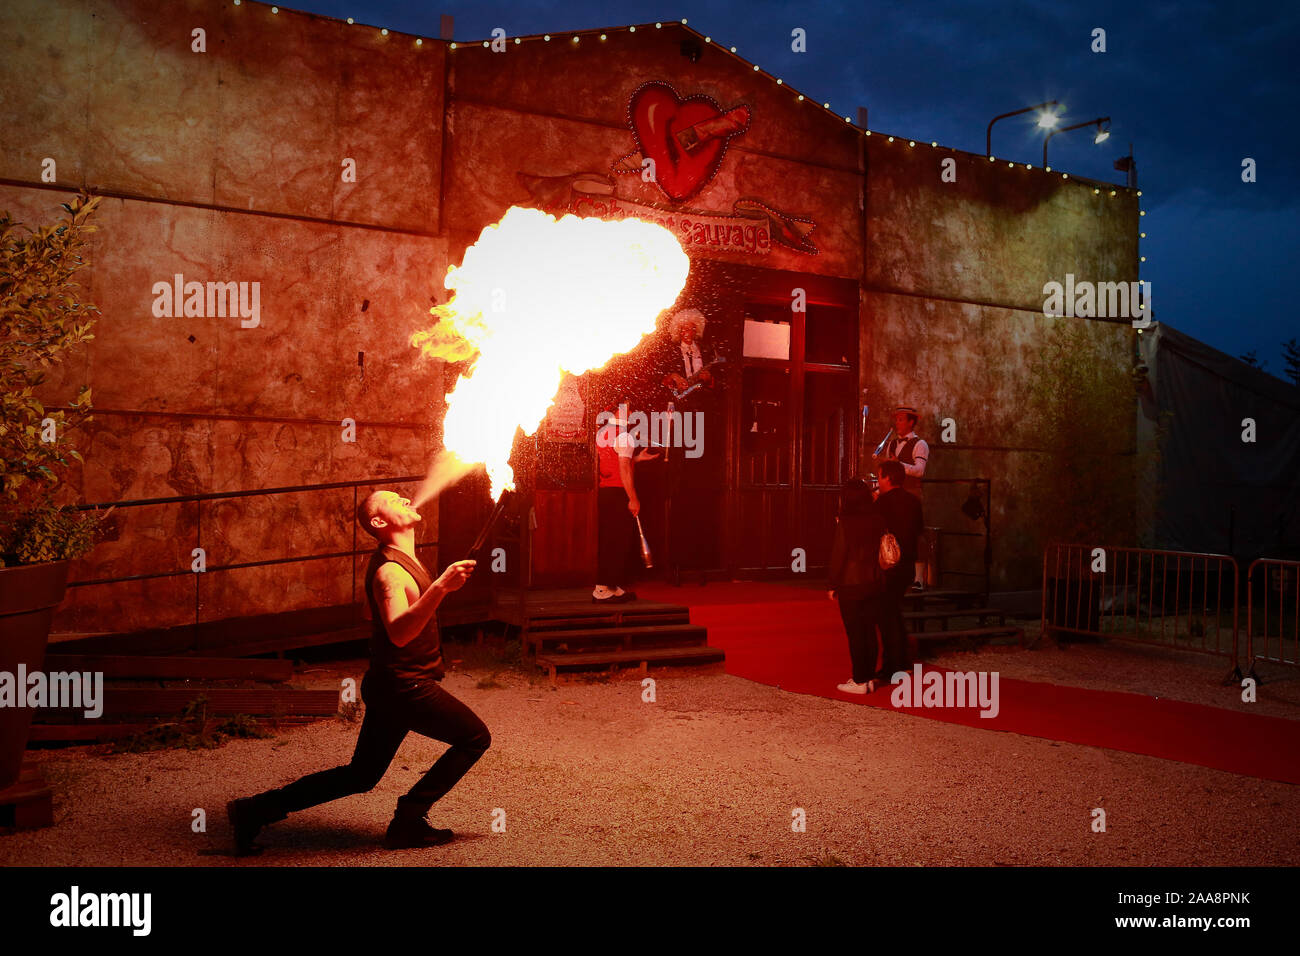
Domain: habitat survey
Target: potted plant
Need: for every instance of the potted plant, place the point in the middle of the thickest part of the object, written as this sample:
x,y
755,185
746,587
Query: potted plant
x,y
41,318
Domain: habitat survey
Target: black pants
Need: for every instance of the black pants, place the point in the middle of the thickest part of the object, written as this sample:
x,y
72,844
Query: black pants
x,y
394,707
615,537
860,617
892,627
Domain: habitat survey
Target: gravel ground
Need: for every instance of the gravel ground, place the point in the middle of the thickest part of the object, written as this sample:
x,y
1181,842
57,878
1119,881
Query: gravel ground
x,y
710,774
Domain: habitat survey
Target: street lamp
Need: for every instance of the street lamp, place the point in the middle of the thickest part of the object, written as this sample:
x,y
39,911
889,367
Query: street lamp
x,y
1100,136
1045,121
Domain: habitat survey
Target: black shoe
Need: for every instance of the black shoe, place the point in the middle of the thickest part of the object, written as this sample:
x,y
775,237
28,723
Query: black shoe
x,y
247,816
405,833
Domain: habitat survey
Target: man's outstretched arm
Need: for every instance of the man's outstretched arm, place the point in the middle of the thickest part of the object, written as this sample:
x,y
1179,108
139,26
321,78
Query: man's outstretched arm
x,y
404,619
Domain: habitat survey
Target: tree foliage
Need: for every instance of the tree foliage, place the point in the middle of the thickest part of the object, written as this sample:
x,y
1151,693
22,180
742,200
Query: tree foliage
x,y
42,317
1082,412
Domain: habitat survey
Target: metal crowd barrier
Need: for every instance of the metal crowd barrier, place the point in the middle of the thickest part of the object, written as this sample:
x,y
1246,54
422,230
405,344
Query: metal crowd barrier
x,y
1179,599
1282,577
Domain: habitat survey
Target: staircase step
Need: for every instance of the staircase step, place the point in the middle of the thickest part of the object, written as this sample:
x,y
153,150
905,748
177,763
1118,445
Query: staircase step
x,y
678,635
944,614
930,641
608,618
647,655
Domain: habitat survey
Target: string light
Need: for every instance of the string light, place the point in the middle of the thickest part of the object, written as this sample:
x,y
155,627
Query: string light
x,y
1139,192
757,69
275,9
419,42
350,20
384,31
236,2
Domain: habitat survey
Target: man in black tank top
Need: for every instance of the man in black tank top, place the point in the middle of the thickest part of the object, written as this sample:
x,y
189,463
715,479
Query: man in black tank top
x,y
400,691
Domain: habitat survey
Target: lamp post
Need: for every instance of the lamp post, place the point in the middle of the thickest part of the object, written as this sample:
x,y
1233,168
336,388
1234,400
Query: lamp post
x,y
1046,121
1101,136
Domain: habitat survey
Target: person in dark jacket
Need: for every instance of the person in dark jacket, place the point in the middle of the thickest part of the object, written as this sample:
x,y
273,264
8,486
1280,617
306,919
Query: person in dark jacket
x,y
901,511
858,582
401,693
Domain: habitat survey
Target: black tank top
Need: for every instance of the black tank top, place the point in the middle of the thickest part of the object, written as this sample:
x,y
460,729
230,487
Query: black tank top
x,y
420,659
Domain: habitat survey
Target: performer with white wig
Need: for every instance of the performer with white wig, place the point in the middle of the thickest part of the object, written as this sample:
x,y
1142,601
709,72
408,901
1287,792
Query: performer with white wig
x,y
686,328
695,479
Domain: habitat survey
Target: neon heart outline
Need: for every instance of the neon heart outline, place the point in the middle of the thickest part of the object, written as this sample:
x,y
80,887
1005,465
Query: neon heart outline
x,y
682,100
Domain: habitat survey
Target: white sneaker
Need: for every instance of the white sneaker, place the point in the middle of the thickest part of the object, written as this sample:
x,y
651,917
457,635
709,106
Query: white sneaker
x,y
851,687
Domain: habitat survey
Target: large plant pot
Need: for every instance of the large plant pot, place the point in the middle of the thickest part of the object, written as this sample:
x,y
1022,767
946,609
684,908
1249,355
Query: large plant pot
x,y
29,594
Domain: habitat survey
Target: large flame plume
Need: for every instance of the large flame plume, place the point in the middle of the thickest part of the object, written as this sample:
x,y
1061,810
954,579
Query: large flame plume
x,y
534,298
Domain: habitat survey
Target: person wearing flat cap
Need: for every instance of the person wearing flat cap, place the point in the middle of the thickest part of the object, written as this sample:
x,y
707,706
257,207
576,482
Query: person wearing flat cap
x,y
912,452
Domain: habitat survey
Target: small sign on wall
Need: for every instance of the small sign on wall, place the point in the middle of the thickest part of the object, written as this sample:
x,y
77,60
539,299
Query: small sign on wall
x,y
767,340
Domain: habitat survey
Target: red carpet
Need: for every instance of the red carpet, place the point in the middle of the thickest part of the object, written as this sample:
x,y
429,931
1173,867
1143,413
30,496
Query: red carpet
x,y
786,637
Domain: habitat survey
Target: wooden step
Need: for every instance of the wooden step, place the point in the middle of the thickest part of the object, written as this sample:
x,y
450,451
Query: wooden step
x,y
945,614
930,641
607,618
274,645
946,596
643,656
676,635
94,730
130,666
221,702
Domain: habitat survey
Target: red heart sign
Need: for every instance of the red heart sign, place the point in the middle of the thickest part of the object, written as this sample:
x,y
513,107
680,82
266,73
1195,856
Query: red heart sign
x,y
686,137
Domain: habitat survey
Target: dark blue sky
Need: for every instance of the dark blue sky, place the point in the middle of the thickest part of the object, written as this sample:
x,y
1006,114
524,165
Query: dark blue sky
x,y
1195,86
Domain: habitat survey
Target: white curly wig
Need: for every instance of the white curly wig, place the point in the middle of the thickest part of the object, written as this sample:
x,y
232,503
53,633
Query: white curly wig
x,y
686,317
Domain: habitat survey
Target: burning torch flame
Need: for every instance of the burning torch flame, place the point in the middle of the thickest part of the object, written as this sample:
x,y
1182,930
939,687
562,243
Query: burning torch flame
x,y
535,298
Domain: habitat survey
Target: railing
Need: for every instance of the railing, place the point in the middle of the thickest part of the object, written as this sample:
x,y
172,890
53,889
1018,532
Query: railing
x,y
1281,577
1178,599
985,499
199,499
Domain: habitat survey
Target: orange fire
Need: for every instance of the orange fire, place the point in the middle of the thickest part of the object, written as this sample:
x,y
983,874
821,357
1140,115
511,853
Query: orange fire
x,y
535,298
